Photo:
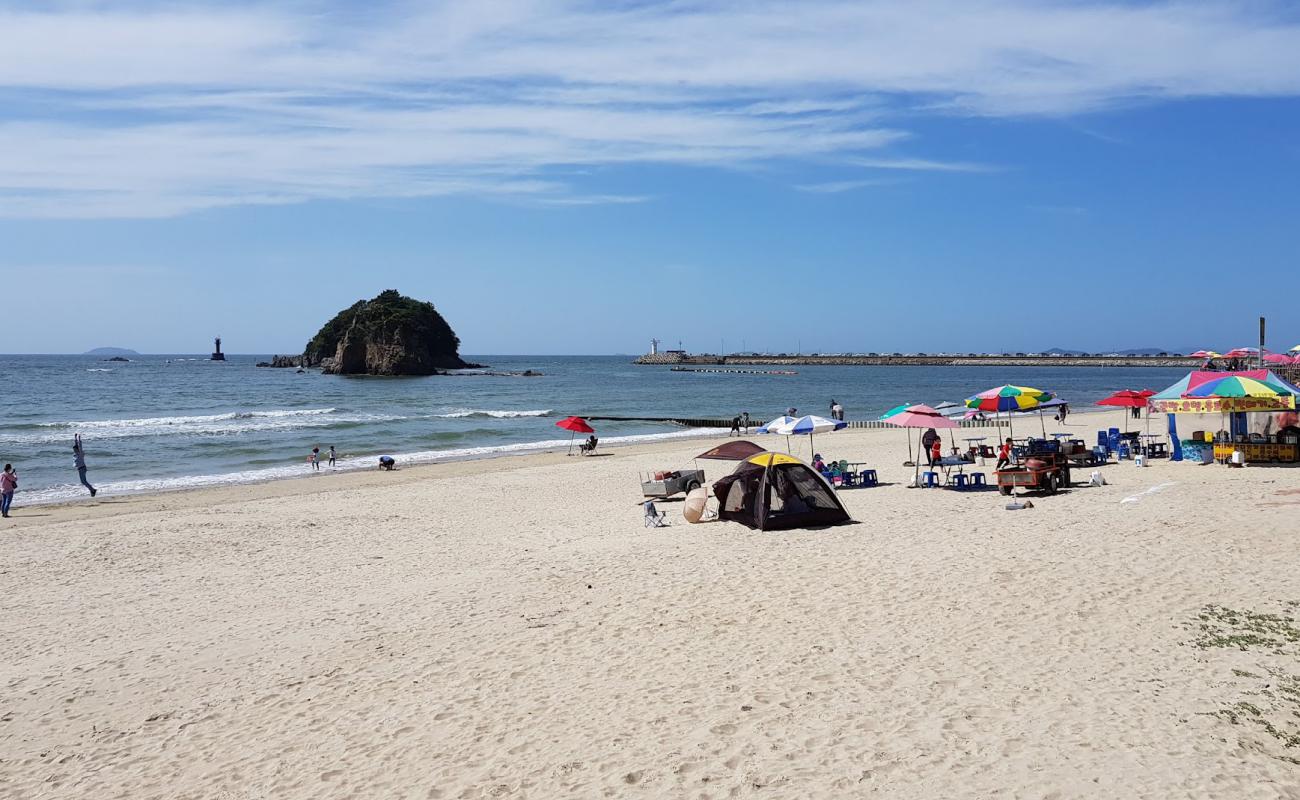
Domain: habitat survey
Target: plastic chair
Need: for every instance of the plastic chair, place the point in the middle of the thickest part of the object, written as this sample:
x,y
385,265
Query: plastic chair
x,y
930,478
848,478
869,477
977,479
1124,451
959,481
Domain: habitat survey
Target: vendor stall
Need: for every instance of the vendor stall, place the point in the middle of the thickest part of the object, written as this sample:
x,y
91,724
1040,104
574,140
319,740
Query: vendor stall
x,y
1255,411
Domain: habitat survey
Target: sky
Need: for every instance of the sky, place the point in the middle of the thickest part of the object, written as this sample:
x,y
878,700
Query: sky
x,y
578,177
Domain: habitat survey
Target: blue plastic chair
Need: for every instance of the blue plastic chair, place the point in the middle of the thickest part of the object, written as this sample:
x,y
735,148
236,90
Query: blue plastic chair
x,y
869,477
977,479
931,478
959,481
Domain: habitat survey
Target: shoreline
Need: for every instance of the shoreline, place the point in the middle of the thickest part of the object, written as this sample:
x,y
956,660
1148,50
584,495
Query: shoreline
x,y
362,464
290,485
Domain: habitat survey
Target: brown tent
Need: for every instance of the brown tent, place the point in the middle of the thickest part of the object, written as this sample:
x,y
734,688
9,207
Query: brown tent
x,y
774,491
738,450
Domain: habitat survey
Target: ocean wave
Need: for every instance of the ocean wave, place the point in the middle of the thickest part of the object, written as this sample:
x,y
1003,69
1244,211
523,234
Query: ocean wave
x,y
462,413
63,492
98,369
237,422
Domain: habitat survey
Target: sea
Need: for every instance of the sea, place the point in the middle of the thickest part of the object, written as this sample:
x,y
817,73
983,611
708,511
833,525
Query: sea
x,y
165,422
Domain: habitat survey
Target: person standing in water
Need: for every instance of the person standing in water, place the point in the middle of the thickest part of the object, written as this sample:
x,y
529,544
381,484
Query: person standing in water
x,y
8,482
314,458
332,456
79,460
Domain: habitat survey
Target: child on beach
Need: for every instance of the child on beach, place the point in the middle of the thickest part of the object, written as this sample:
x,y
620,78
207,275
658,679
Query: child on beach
x,y
936,451
1004,454
332,455
8,482
314,458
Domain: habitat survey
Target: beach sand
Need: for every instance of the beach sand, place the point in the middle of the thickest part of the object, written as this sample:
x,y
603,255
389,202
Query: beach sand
x,y
508,628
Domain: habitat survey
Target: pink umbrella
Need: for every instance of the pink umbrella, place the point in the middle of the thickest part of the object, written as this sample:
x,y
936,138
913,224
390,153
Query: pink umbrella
x,y
920,416
1278,358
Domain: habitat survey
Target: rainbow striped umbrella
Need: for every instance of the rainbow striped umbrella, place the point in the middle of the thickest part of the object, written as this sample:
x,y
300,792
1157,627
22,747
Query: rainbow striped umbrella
x,y
1239,385
1008,398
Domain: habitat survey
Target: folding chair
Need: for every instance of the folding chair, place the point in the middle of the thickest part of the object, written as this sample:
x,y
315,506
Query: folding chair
x,y
653,517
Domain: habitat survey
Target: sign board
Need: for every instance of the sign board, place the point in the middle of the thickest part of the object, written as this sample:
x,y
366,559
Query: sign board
x,y
1216,405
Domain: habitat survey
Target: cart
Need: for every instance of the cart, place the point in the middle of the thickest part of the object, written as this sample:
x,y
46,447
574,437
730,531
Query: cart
x,y
1041,472
666,484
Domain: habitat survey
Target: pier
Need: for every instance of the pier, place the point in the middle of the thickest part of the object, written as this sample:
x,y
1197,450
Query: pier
x,y
875,360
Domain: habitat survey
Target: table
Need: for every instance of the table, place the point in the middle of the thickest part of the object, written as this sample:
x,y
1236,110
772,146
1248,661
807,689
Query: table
x,y
1153,447
948,462
973,442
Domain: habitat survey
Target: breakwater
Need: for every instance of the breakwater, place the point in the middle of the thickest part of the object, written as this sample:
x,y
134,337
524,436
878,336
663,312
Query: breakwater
x,y
707,360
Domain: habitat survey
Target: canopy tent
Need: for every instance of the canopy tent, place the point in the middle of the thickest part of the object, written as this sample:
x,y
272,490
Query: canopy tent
x,y
775,491
1205,392
737,450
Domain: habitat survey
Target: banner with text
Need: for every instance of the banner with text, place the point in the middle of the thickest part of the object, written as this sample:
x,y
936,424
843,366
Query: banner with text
x,y
1213,405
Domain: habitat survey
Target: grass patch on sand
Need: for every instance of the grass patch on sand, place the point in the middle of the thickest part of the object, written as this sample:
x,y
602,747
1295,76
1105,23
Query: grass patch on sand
x,y
1269,692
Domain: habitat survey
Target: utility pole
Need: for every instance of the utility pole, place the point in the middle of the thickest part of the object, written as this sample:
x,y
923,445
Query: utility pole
x,y
1261,342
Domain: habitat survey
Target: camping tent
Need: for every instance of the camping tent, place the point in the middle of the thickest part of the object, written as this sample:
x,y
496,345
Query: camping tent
x,y
774,491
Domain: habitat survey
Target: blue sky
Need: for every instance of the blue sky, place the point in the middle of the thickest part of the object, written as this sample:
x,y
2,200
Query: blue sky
x,y
576,177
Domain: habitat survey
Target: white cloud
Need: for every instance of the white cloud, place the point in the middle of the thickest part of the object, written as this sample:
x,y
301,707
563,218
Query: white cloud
x,y
921,165
139,109
836,187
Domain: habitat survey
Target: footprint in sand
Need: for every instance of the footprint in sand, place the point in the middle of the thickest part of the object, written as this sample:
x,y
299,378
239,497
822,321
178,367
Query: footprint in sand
x,y
726,729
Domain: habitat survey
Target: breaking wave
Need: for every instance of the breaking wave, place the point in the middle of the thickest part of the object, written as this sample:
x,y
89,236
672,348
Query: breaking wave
x,y
463,413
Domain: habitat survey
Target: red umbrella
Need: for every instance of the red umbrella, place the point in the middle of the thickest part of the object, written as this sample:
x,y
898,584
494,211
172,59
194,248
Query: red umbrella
x,y
577,425
1127,398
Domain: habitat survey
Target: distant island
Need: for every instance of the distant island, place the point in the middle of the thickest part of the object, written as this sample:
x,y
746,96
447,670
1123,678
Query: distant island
x,y
389,335
111,351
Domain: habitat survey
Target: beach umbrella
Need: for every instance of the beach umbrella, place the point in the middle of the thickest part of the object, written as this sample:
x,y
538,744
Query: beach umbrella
x,y
1128,398
921,417
1278,358
1205,354
784,419
807,426
1008,398
898,409
1296,349
576,425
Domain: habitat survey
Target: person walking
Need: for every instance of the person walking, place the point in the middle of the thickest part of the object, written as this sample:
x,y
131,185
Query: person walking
x,y
927,444
79,460
333,455
837,412
8,482
735,427
314,458
744,421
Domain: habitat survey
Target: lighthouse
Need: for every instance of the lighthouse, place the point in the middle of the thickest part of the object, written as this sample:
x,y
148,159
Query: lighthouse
x,y
217,355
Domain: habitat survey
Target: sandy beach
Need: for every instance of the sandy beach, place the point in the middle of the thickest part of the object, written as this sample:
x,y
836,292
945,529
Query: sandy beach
x,y
508,628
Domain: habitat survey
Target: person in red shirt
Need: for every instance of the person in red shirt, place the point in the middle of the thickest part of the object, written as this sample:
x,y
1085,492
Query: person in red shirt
x,y
8,482
1004,454
936,451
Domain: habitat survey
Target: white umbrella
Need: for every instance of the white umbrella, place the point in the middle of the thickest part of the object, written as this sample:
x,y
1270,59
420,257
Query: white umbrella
x,y
809,425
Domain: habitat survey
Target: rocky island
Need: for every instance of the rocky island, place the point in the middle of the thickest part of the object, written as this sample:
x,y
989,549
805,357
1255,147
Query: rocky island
x,y
389,335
